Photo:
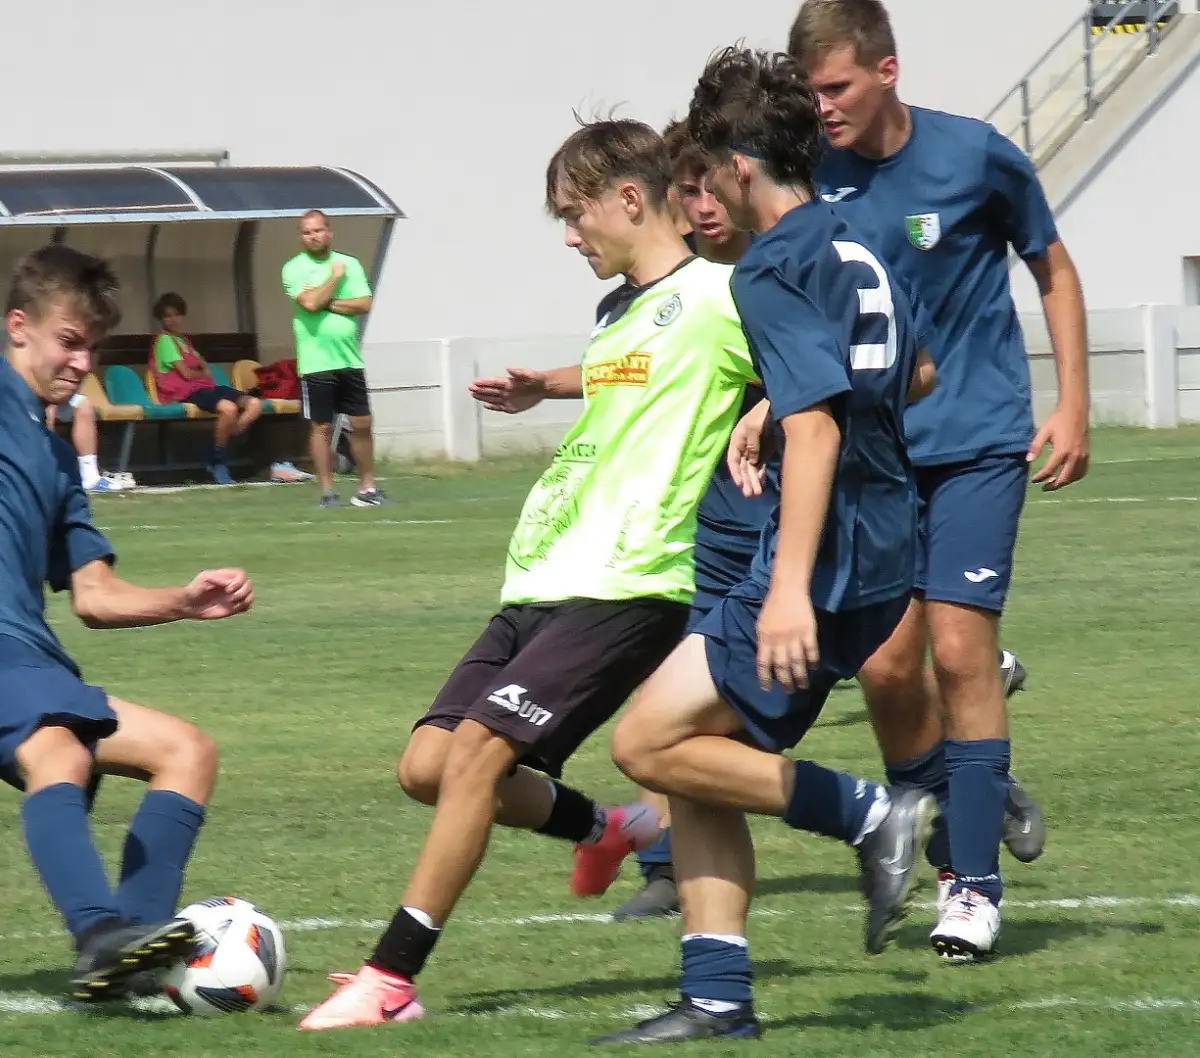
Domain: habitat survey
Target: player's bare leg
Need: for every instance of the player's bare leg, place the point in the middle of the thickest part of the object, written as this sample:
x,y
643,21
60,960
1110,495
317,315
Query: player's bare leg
x,y
678,737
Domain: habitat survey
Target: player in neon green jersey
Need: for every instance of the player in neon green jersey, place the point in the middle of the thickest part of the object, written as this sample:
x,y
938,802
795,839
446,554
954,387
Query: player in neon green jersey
x,y
599,571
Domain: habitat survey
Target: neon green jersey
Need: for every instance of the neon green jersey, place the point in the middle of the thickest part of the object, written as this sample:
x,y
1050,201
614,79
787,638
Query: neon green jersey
x,y
614,516
325,341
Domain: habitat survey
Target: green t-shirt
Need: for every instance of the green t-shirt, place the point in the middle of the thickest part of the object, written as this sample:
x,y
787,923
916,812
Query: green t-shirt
x,y
325,341
614,516
167,352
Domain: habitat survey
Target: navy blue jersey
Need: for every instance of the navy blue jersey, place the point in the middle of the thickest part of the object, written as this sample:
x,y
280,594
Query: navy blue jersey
x,y
943,211
826,322
46,530
724,511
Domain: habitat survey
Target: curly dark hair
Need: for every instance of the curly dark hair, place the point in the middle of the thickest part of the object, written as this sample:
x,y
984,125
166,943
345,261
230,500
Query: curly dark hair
x,y
759,103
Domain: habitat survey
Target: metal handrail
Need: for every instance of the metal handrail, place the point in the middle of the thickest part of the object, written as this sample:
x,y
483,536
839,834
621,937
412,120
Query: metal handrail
x,y
1092,78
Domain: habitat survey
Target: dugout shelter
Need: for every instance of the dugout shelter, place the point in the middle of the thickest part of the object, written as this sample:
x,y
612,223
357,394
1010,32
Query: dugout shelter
x,y
214,232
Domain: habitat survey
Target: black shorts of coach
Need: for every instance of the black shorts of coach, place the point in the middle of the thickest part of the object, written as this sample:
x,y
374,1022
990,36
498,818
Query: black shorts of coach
x,y
547,676
324,394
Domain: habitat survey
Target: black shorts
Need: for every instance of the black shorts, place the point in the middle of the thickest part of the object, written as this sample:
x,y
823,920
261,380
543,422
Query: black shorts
x,y
208,399
546,677
329,393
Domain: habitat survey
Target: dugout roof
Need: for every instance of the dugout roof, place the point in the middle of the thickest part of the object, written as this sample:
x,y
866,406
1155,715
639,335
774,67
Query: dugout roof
x,y
216,233
63,195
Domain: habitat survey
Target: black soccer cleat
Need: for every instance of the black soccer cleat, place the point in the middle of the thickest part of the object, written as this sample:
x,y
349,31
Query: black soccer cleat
x,y
1024,827
686,1021
113,954
888,862
657,898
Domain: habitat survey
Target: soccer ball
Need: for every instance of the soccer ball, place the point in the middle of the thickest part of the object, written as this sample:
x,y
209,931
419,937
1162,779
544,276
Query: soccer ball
x,y
238,962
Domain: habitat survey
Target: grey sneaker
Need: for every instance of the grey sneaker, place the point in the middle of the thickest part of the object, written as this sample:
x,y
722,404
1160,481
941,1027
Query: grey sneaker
x,y
1024,827
1012,673
657,899
113,953
368,498
329,499
888,862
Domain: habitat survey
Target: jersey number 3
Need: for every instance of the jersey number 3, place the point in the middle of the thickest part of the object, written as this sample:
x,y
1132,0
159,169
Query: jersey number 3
x,y
877,301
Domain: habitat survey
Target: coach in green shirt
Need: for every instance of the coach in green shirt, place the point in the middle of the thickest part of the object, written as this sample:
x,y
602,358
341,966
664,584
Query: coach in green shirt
x,y
328,291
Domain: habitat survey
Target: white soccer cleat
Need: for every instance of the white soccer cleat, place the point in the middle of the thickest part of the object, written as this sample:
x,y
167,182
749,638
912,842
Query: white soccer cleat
x,y
967,929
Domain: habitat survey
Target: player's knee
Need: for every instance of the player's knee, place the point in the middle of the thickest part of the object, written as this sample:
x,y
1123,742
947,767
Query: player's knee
x,y
891,671
633,753
419,775
963,653
321,430
193,755
226,409
252,406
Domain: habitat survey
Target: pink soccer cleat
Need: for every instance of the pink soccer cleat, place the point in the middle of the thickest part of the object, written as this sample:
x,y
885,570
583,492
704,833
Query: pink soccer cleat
x,y
369,997
597,864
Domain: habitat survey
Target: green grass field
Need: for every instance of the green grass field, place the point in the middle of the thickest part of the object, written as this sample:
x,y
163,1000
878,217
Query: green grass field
x,y
359,616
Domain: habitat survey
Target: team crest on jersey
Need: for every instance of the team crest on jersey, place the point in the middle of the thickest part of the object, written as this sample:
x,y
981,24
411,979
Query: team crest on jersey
x,y
669,311
633,369
924,230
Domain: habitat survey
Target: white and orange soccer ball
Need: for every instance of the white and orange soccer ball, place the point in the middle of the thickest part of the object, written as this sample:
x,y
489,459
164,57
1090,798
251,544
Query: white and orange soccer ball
x,y
238,963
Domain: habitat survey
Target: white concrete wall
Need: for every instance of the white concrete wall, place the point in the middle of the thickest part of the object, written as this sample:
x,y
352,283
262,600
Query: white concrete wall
x,y
453,108
1144,362
1138,218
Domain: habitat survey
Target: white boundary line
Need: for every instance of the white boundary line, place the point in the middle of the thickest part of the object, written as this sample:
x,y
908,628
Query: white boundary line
x,y
32,1003
321,924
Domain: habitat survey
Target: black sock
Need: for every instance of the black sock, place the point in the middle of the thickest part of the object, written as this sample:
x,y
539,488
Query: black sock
x,y
404,946
573,817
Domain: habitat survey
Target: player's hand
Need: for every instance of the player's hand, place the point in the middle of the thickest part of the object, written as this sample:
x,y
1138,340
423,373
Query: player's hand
x,y
787,640
1066,432
521,389
337,270
744,457
217,593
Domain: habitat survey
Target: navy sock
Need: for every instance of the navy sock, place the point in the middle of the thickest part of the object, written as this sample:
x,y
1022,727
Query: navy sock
x,y
715,967
828,802
927,771
656,855
979,781
60,844
219,455
157,847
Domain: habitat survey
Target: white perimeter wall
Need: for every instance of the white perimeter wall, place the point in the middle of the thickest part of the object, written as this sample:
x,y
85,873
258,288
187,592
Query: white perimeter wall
x,y
1131,226
1145,371
453,108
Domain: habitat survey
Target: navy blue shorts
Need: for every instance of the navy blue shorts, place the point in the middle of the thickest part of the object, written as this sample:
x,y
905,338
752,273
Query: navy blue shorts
x,y
38,691
722,563
968,515
777,719
208,399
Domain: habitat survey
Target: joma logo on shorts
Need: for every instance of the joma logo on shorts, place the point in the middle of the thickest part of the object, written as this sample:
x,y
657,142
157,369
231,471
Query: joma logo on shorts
x,y
512,698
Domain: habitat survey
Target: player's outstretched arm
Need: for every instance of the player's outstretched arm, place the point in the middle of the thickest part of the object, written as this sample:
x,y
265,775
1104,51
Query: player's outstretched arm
x,y
1066,427
101,599
524,388
924,377
787,626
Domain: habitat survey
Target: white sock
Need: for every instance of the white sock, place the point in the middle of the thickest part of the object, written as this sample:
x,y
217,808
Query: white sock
x,y
876,815
422,917
89,471
715,1006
